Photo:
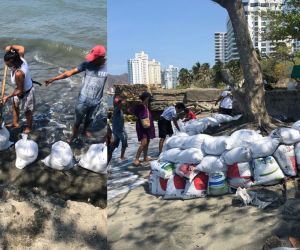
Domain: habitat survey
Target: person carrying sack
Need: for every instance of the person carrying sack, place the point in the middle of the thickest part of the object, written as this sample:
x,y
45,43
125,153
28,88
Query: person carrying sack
x,y
144,126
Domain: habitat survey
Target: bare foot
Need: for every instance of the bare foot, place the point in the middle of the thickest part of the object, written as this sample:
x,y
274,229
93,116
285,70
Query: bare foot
x,y
148,159
12,125
27,130
136,163
123,158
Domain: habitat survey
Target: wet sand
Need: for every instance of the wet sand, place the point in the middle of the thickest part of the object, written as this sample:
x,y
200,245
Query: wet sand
x,y
53,121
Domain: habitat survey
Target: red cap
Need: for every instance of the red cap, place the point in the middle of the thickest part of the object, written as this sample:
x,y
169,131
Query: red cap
x,y
96,52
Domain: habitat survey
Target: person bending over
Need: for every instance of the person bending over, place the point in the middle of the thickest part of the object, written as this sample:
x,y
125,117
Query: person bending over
x,y
165,122
91,93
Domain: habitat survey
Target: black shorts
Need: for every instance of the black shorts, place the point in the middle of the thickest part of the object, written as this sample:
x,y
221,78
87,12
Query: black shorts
x,y
225,111
164,128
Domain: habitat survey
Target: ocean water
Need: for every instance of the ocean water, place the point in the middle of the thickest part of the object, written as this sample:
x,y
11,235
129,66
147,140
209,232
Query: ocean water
x,y
57,35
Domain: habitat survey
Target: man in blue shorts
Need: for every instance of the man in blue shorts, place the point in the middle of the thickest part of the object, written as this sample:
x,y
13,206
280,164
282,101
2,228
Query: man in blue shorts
x,y
95,76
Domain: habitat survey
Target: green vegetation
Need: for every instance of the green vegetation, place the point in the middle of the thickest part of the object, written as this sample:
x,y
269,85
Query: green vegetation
x,y
284,24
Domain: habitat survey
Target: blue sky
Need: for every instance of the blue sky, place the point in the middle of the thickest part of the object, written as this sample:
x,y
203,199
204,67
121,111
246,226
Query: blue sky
x,y
177,32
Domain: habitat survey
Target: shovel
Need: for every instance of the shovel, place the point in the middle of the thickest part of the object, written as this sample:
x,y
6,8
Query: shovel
x,y
2,94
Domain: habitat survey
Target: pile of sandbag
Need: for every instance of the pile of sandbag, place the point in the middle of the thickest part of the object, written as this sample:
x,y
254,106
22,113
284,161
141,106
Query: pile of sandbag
x,y
201,164
198,126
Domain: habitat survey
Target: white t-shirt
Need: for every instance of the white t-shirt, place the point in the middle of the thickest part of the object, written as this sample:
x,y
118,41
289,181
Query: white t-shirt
x,y
226,101
169,113
27,81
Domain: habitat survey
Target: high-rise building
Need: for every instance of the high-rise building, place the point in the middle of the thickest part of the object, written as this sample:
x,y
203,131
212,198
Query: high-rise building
x,y
170,76
138,72
220,46
154,72
257,25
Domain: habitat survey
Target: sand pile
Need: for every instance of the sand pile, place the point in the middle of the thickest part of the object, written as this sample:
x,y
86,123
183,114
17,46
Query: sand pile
x,y
30,220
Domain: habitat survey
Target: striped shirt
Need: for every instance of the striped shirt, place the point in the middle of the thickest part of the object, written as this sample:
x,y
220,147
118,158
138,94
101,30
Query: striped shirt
x,y
169,113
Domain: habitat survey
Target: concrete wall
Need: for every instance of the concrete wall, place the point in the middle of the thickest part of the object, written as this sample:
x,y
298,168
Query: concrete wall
x,y
278,102
283,102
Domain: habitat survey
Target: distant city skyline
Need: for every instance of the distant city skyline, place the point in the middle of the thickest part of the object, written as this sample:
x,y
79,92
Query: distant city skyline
x,y
154,27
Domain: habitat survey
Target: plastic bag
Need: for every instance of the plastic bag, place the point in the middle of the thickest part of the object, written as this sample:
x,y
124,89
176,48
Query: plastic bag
x,y
197,188
163,169
266,171
285,157
170,155
215,145
95,159
61,156
190,156
4,138
237,155
27,152
211,164
175,187
186,170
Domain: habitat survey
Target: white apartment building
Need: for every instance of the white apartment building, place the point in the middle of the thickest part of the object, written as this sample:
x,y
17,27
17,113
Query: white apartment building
x,y
257,26
154,72
220,46
138,69
170,77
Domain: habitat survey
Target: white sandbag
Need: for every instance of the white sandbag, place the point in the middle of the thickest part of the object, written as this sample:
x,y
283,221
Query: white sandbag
x,y
239,175
236,155
217,184
170,155
263,147
175,187
197,188
95,159
61,156
157,185
190,156
181,126
286,159
186,170
4,138
287,136
215,145
196,127
164,169
239,137
296,125
27,152
211,121
266,171
297,153
221,118
195,141
176,141
211,164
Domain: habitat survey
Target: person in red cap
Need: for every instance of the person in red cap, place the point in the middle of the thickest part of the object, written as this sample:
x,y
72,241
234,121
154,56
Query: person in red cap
x,y
95,76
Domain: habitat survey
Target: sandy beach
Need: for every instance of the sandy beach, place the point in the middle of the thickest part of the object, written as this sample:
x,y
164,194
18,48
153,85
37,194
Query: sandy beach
x,y
139,220
30,220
